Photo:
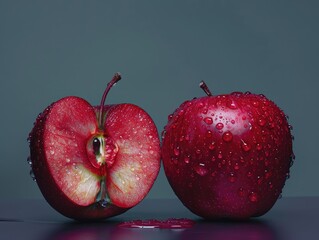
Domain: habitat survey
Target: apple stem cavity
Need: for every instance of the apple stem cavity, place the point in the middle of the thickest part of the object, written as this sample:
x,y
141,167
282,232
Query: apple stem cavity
x,y
117,77
203,86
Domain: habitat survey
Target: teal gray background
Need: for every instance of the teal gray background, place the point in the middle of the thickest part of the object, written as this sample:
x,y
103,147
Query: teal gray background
x,y
51,49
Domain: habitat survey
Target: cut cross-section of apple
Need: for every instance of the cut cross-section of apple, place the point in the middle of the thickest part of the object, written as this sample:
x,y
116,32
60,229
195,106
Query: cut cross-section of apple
x,y
94,162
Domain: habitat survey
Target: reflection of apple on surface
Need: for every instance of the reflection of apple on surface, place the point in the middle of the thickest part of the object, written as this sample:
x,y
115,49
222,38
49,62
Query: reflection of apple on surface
x,y
227,156
94,162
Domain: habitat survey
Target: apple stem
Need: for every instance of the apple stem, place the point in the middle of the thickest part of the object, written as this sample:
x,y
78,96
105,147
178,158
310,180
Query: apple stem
x,y
203,86
115,79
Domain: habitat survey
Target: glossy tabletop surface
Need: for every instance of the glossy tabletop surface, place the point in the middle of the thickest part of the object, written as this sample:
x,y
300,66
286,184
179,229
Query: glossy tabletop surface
x,y
290,218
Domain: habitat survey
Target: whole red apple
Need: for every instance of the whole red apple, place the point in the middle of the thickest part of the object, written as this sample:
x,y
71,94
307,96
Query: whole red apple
x,y
94,162
227,156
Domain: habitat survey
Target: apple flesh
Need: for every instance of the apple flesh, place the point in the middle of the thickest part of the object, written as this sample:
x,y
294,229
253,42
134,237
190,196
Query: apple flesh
x,y
94,162
227,156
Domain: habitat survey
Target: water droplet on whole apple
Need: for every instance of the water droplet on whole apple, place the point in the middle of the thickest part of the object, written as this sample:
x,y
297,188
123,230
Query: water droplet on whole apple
x,y
29,161
187,159
287,175
236,94
163,134
255,103
259,180
253,197
267,174
270,185
201,169
232,178
32,175
212,146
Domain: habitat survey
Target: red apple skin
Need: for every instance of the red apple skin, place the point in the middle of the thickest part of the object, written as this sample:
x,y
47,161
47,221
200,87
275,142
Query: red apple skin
x,y
227,156
118,119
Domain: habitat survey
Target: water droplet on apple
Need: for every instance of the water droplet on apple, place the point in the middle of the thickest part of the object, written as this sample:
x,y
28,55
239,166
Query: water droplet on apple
x,y
245,146
103,203
236,166
247,93
187,159
237,94
208,120
220,155
267,153
29,161
170,117
232,178
200,169
209,134
259,146
259,180
163,134
214,173
227,136
233,121
253,197
287,175
32,175
198,151
176,151
219,126
52,152
267,174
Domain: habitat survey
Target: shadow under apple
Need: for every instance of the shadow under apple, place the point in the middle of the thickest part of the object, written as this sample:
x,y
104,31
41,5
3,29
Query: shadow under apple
x,y
254,229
